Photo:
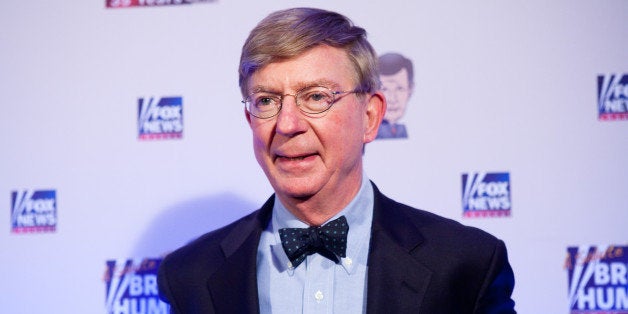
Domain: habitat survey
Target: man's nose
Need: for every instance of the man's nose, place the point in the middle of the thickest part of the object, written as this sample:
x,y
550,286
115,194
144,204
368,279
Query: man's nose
x,y
290,120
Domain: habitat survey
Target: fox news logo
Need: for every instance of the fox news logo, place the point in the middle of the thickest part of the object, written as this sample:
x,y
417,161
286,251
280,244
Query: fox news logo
x,y
148,3
598,281
131,287
33,211
612,93
486,194
160,118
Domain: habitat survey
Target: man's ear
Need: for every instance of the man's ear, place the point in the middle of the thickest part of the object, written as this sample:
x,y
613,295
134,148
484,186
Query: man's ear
x,y
375,110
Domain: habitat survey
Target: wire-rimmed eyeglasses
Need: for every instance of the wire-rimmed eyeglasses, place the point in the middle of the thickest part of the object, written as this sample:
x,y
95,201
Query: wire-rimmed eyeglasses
x,y
311,100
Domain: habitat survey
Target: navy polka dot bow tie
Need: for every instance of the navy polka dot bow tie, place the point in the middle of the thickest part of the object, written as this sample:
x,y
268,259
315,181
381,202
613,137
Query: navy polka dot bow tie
x,y
329,240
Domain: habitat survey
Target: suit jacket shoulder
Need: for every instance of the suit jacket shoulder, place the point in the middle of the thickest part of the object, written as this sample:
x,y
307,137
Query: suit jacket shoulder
x,y
193,276
445,235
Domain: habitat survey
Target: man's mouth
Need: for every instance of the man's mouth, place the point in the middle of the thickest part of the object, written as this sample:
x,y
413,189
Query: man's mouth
x,y
294,158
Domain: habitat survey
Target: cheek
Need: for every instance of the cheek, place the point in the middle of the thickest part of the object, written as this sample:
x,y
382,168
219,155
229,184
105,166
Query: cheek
x,y
348,133
261,138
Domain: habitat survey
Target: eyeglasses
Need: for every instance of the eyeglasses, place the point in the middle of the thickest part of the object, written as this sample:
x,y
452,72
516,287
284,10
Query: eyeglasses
x,y
311,100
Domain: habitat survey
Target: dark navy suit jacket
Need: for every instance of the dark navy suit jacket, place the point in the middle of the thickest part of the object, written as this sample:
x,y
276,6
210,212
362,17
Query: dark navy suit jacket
x,y
418,263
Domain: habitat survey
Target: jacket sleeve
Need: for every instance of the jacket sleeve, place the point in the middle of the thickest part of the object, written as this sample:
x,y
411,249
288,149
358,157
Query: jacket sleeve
x,y
499,282
164,288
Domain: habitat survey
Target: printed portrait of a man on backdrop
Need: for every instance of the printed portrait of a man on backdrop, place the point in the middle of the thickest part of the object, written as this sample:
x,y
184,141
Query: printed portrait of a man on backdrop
x,y
397,76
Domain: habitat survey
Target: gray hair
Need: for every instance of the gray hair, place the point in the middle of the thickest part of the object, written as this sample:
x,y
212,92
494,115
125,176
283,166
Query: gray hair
x,y
288,33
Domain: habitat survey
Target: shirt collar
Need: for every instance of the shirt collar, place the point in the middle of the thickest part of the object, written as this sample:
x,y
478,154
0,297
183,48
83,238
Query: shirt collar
x,y
359,214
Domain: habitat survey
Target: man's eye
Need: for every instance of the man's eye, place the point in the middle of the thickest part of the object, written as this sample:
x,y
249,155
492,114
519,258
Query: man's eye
x,y
317,96
264,101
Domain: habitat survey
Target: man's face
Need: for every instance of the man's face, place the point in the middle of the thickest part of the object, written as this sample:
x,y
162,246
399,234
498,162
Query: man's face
x,y
397,89
305,156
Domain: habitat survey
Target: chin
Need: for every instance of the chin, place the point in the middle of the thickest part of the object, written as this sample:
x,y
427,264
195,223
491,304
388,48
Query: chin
x,y
293,192
295,189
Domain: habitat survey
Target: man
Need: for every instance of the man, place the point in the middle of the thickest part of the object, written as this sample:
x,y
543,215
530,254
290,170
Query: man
x,y
310,86
396,74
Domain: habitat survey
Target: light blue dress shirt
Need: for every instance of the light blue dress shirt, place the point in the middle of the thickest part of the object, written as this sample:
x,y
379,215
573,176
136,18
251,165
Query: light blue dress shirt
x,y
318,285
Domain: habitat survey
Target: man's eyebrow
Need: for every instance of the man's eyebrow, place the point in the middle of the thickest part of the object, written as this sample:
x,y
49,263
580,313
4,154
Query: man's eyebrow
x,y
320,82
262,88
297,87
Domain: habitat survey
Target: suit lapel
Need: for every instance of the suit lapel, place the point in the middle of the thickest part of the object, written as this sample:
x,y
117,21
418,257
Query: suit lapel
x,y
396,281
233,287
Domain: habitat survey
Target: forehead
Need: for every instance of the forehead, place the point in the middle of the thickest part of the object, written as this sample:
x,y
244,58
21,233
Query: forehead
x,y
322,65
